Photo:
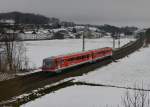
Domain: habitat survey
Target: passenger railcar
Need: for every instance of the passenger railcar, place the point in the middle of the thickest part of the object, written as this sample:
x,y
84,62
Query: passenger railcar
x,y
58,63
101,53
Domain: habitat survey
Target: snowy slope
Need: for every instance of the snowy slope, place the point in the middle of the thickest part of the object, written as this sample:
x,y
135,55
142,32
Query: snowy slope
x,y
128,72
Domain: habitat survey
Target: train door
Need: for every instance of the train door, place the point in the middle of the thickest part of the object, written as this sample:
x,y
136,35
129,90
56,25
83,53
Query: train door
x,y
58,65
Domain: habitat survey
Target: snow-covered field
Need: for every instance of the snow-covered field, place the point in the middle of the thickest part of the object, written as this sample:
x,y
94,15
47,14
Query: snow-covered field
x,y
38,50
126,72
80,96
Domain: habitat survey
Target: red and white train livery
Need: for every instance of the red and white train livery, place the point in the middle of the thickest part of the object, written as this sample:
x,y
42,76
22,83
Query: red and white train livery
x,y
58,63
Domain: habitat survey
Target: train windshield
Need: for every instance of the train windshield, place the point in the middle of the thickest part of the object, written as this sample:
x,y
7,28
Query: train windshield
x,y
48,62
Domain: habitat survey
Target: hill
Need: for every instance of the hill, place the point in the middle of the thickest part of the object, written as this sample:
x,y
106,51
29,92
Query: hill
x,y
25,18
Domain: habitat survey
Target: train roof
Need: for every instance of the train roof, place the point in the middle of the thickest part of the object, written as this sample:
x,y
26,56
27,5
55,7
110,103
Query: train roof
x,y
58,56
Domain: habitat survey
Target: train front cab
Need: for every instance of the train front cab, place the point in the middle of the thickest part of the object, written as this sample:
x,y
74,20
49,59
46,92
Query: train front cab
x,y
49,65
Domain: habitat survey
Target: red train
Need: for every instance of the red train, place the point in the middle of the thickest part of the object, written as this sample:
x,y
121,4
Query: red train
x,y
58,63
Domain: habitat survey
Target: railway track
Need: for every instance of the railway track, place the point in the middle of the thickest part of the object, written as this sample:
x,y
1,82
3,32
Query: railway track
x,y
25,84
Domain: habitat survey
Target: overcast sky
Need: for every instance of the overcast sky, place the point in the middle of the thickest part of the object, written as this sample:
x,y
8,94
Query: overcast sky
x,y
116,12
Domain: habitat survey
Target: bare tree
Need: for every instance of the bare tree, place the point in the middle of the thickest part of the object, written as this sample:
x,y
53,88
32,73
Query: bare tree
x,y
9,47
14,51
136,98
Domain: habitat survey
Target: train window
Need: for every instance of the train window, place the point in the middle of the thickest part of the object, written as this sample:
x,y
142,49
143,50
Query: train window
x,y
78,58
48,62
82,57
62,61
87,56
73,59
70,59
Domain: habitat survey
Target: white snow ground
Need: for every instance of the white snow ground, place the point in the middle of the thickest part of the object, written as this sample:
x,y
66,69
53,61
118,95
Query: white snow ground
x,y
80,96
127,72
38,50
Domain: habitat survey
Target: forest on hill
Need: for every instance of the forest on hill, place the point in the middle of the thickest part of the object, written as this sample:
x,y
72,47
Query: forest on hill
x,y
27,18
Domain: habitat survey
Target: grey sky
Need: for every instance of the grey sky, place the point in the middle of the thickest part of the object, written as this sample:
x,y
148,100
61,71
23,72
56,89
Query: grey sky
x,y
117,12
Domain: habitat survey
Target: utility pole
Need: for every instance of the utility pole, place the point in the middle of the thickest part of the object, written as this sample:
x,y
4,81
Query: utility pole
x,y
1,52
0,61
83,42
83,37
113,41
118,40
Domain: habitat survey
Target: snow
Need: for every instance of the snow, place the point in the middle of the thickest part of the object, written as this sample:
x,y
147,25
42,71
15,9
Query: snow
x,y
38,50
79,27
128,72
1,50
60,29
80,96
93,28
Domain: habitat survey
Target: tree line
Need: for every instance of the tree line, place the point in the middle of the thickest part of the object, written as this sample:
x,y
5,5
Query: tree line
x,y
114,29
27,18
